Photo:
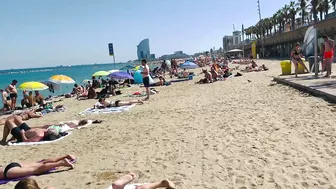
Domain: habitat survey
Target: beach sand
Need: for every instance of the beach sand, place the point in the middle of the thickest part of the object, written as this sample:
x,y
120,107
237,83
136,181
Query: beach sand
x,y
228,134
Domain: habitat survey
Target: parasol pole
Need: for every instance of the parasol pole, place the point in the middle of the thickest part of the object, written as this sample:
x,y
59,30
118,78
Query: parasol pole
x,y
315,55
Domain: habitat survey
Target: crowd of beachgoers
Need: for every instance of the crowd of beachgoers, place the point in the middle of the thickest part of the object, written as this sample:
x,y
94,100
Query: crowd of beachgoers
x,y
34,106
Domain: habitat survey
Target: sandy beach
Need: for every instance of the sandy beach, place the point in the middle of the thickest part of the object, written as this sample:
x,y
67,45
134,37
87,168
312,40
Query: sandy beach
x,y
228,134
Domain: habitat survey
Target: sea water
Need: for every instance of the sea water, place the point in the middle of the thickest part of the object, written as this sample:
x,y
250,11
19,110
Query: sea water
x,y
77,73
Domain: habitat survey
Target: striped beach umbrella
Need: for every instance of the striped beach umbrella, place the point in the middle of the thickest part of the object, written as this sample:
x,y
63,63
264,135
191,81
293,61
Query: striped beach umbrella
x,y
33,86
61,79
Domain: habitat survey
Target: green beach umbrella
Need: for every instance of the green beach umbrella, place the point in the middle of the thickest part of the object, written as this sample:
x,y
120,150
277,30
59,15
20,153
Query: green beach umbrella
x,y
101,73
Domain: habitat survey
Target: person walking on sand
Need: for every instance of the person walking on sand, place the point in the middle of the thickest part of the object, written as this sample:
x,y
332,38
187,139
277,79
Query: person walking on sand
x,y
296,56
11,89
145,77
328,54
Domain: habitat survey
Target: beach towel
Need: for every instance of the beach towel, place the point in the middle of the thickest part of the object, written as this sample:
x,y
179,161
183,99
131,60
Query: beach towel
x,y
36,143
106,110
130,186
5,181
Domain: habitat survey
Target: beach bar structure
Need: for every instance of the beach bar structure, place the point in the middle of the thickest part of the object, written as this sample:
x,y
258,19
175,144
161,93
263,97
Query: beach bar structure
x,y
280,45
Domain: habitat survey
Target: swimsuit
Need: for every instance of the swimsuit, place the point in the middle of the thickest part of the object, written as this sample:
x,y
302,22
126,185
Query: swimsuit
x,y
8,167
329,54
16,131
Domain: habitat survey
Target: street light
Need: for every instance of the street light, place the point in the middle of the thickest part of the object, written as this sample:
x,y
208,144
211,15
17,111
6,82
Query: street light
x,y
261,27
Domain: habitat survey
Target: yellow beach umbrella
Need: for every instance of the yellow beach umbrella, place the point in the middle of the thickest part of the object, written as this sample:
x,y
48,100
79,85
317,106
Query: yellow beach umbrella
x,y
137,68
61,79
101,73
33,86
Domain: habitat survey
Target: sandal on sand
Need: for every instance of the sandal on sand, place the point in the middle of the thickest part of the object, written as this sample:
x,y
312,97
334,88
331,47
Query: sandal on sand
x,y
97,121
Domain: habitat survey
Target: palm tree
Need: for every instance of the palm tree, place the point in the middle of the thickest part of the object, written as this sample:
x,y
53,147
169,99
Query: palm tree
x,y
326,7
313,8
302,6
292,13
275,22
333,2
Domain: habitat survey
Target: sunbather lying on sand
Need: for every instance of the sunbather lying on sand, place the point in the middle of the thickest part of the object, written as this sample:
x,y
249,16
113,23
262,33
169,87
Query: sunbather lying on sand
x,y
102,103
254,67
161,82
126,179
21,169
23,133
118,184
25,116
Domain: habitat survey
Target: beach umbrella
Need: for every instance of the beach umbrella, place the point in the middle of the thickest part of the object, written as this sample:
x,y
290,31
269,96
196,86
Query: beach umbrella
x,y
189,65
120,75
101,73
137,68
112,71
33,86
61,79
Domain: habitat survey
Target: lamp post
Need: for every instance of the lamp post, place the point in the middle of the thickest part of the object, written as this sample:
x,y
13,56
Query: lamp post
x,y
261,27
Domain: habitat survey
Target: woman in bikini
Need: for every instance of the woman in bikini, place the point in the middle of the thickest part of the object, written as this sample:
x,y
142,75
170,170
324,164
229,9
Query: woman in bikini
x,y
296,56
20,169
102,103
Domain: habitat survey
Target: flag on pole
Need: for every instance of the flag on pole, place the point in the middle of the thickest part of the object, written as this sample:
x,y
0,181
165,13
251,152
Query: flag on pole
x,y
110,46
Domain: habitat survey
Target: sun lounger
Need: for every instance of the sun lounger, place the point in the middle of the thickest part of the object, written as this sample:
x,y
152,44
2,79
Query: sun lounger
x,y
106,110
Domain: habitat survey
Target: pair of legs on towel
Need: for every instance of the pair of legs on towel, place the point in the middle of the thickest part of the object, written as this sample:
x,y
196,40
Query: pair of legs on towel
x,y
126,179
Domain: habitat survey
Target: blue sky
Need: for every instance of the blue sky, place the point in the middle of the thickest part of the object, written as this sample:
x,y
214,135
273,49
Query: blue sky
x,y
40,33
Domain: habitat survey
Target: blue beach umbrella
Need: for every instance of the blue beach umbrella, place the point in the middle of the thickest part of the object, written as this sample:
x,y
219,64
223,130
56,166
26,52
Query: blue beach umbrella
x,y
188,65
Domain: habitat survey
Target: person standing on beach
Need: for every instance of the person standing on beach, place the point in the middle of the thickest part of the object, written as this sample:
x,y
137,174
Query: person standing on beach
x,y
145,77
328,54
11,89
5,100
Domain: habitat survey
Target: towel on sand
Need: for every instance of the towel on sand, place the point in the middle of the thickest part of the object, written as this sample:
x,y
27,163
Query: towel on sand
x,y
106,110
46,142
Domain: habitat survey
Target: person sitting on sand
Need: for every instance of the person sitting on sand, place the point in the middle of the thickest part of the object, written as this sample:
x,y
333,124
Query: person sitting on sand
x,y
102,103
214,73
23,133
91,94
185,73
25,116
207,77
38,98
20,169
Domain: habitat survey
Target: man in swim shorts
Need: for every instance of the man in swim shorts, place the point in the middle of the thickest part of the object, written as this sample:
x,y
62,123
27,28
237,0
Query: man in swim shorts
x,y
11,89
328,54
22,132
145,77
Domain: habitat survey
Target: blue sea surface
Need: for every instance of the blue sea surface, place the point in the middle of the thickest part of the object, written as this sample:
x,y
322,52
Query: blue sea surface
x,y
78,73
